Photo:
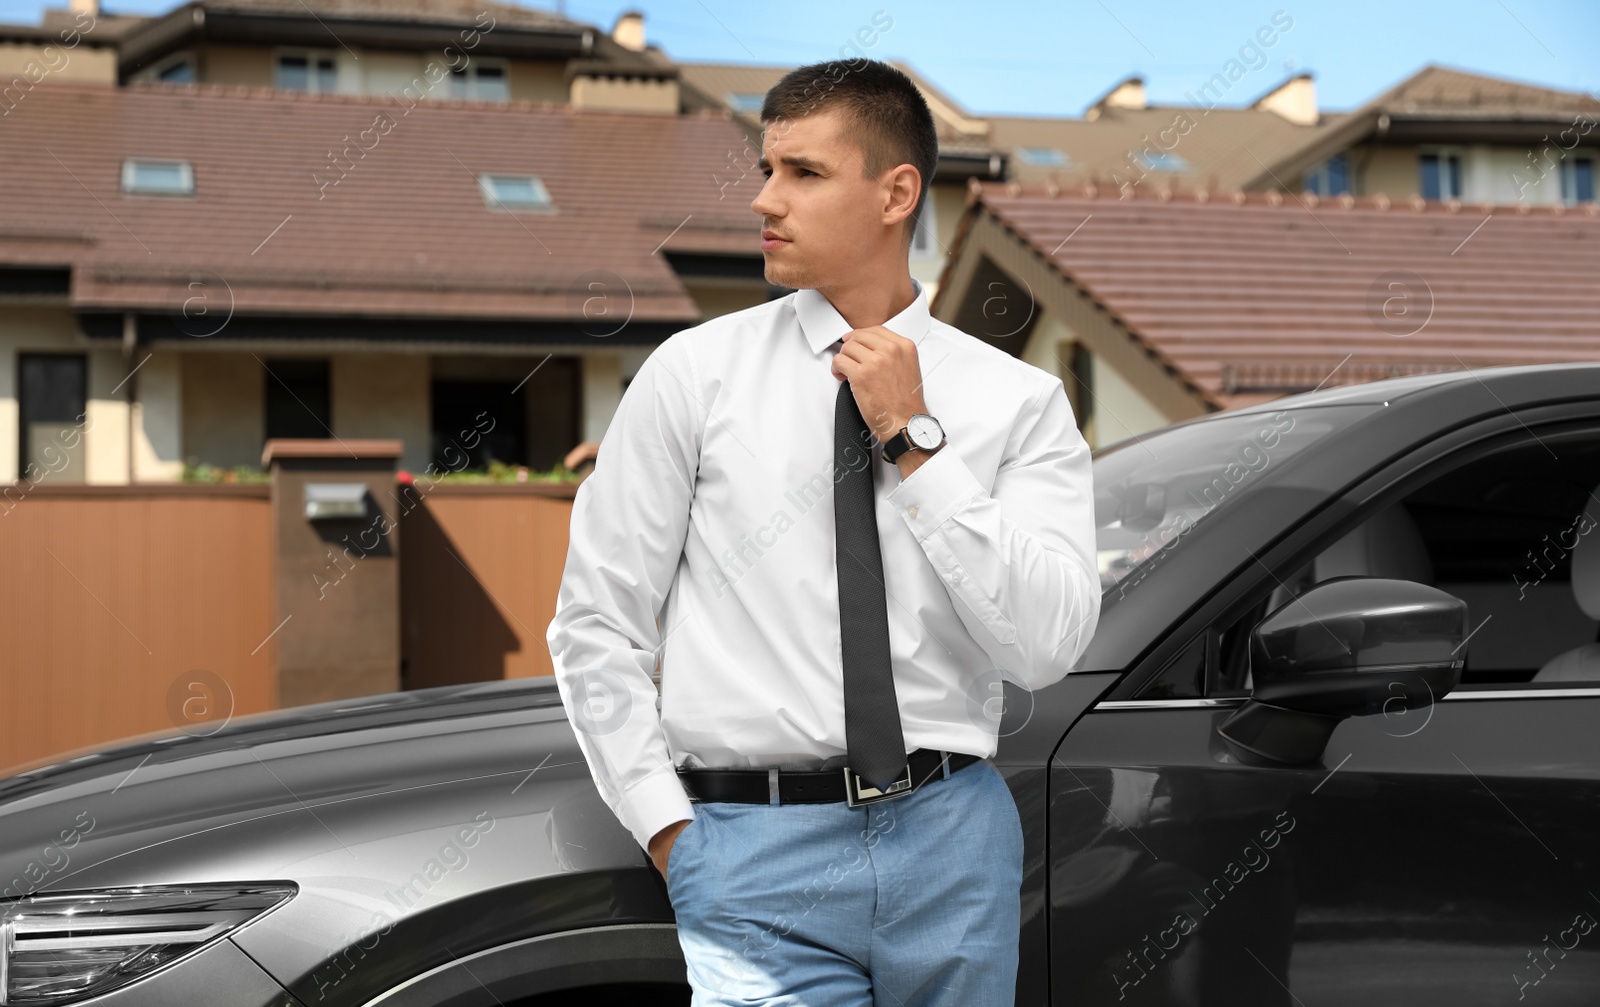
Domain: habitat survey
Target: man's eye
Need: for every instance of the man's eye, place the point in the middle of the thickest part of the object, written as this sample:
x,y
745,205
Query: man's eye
x,y
805,171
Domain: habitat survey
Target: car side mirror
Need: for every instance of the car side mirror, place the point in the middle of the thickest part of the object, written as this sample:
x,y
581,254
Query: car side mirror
x,y
1349,647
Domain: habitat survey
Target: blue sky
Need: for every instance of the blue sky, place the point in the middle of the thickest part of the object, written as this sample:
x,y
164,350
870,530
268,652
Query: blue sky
x,y
1054,58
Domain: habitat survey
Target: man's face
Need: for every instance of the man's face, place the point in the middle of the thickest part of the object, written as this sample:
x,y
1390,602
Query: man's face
x,y
817,200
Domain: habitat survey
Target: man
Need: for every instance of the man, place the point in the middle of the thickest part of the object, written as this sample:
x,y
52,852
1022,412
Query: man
x,y
840,523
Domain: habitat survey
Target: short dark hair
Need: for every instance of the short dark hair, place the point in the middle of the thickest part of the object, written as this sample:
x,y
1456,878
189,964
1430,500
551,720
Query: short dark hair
x,y
882,110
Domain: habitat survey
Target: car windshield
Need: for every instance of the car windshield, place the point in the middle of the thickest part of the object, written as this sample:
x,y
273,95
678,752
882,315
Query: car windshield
x,y
1149,490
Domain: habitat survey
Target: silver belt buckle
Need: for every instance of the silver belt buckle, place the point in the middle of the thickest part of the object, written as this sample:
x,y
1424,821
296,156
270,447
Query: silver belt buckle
x,y
857,791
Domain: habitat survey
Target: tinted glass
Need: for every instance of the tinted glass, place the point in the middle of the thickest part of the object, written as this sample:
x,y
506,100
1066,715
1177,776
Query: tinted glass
x,y
293,73
1150,490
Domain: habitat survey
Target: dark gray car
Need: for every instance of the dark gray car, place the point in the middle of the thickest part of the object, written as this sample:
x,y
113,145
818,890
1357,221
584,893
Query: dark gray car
x,y
1335,736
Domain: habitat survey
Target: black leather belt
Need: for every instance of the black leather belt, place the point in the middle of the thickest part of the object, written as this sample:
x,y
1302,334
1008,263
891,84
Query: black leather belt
x,y
798,786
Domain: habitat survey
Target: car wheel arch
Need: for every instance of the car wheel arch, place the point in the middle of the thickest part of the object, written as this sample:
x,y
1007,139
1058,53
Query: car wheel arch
x,y
645,953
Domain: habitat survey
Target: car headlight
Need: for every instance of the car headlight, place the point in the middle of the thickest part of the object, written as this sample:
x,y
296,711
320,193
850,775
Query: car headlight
x,y
60,948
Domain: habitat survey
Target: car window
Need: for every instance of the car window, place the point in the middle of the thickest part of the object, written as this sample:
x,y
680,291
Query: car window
x,y
1152,490
1501,532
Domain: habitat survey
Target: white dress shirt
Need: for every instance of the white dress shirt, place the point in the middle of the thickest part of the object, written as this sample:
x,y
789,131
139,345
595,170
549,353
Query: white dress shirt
x,y
710,509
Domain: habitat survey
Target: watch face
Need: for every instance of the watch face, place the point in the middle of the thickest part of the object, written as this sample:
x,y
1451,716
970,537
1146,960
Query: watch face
x,y
924,431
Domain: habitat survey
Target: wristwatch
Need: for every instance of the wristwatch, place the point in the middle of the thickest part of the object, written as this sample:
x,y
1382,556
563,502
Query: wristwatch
x,y
921,431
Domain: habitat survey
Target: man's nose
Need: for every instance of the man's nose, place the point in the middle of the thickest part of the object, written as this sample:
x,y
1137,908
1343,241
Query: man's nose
x,y
764,203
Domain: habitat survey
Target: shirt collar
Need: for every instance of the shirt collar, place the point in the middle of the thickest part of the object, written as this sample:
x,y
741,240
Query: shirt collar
x,y
823,325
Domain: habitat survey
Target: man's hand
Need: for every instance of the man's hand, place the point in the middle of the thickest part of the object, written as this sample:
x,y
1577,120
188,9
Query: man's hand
x,y
661,844
885,377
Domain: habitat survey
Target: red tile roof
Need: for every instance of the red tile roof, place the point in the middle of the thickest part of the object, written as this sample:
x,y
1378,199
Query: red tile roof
x,y
1253,296
404,232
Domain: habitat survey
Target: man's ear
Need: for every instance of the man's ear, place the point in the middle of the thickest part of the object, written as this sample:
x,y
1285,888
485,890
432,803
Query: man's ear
x,y
902,187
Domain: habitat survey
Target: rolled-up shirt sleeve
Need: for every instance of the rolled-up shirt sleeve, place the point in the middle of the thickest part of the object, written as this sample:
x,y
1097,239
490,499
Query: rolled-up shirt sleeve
x,y
1017,560
629,520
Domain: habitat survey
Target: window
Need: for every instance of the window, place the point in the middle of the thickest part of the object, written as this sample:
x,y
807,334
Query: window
x,y
925,240
1330,178
298,399
477,423
166,178
307,71
1577,180
514,192
480,80
1162,162
1499,530
1149,490
178,70
746,101
1441,175
52,403
1043,157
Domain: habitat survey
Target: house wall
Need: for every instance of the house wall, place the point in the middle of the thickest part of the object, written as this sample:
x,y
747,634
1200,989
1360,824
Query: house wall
x,y
1508,168
52,61
1389,170
224,411
1489,173
379,72
248,65
627,95
372,395
106,461
1112,408
158,418
537,80
719,298
602,392
1119,410
949,201
383,395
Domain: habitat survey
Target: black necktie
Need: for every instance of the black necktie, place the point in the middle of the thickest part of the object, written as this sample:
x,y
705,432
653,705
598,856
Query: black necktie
x,y
877,749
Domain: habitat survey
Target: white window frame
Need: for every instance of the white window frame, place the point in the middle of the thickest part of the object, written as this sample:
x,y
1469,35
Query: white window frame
x,y
734,104
311,57
1569,178
468,79
1443,152
493,202
130,173
1317,180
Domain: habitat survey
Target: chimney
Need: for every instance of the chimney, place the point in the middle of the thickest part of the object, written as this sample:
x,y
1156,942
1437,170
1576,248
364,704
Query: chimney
x,y
1127,94
628,32
1295,99
90,7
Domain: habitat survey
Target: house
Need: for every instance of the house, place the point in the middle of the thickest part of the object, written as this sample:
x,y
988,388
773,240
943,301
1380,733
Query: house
x,y
1155,306
1260,251
1441,134
248,219
446,222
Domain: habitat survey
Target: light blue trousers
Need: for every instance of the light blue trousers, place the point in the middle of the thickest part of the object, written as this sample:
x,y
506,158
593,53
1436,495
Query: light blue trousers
x,y
909,902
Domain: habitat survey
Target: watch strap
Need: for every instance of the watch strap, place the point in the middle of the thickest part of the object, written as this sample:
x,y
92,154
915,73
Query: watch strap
x,y
897,445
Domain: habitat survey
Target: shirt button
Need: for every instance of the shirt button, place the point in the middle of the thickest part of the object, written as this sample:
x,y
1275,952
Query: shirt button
x,y
912,510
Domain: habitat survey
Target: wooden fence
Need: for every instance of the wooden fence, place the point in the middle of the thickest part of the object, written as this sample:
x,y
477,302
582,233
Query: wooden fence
x,y
127,610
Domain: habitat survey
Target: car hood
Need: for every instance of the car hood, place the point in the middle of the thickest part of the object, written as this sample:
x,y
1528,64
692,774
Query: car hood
x,y
375,809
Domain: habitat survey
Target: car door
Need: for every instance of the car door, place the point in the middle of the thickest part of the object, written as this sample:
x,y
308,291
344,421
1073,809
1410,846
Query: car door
x,y
1444,850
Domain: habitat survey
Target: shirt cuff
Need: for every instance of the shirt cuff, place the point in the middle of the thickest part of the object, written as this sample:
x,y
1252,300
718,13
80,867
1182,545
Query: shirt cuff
x,y
938,488
654,803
